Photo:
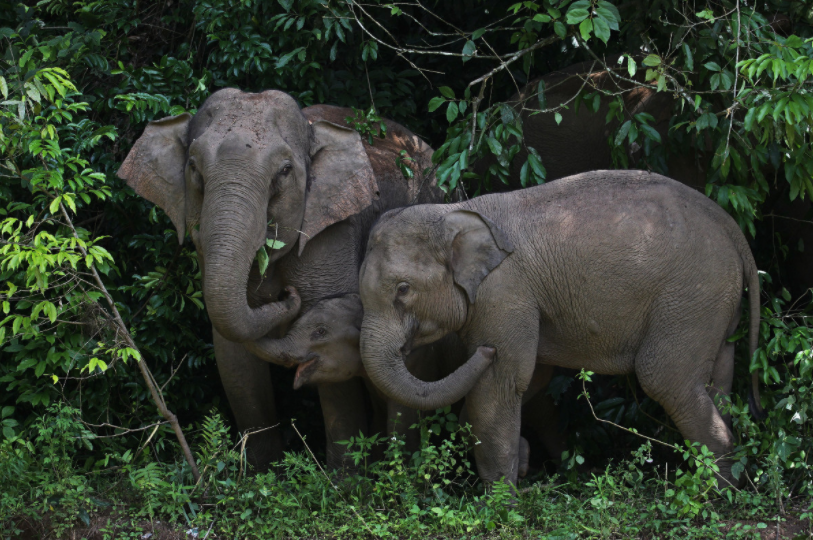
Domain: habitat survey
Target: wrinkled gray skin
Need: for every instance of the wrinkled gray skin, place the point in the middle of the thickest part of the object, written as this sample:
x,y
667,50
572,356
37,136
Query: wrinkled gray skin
x,y
251,167
579,144
324,342
612,271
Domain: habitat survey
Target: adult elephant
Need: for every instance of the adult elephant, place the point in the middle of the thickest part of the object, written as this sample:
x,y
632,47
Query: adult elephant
x,y
579,143
249,168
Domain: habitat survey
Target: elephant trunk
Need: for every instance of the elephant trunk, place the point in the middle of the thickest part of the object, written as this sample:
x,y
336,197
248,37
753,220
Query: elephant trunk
x,y
232,229
280,351
383,359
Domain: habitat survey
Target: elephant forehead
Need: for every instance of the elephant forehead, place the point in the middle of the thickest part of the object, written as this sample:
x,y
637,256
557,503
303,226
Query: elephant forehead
x,y
262,117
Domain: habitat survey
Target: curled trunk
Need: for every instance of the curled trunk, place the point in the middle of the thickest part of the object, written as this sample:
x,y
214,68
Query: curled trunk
x,y
383,359
232,230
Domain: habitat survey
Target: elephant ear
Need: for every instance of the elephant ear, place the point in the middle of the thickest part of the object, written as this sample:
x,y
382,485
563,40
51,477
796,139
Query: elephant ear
x,y
341,182
154,168
476,246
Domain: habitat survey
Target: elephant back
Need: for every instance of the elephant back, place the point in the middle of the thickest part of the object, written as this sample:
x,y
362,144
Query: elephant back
x,y
396,188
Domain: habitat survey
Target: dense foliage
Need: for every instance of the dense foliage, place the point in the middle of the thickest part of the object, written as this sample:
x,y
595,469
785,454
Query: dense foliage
x,y
79,81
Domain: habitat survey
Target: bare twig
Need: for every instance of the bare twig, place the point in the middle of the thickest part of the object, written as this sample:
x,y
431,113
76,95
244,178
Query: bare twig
x,y
157,397
736,80
504,64
673,447
127,431
172,375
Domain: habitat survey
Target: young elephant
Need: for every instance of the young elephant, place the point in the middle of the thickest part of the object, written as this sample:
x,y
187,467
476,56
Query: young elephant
x,y
324,343
611,271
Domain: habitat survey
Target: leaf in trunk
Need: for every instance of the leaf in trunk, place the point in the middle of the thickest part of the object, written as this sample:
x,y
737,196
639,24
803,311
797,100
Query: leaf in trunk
x,y
275,244
262,259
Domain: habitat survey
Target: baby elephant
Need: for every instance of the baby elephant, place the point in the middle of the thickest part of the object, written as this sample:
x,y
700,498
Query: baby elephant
x,y
611,271
324,342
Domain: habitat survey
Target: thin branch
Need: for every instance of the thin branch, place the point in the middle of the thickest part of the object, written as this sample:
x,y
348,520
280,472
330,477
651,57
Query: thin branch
x,y
127,431
673,447
504,64
142,364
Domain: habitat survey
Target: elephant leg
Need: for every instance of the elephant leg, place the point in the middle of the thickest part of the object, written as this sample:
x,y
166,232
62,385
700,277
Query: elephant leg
x,y
494,407
494,414
247,381
683,394
344,413
524,457
722,379
722,376
541,415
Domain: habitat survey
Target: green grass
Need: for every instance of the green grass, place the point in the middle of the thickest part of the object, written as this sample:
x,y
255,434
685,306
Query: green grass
x,y
432,493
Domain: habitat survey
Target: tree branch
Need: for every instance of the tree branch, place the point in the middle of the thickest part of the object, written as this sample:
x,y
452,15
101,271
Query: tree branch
x,y
157,397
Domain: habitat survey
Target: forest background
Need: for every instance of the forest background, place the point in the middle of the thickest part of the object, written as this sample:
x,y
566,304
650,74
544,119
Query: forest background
x,y
80,80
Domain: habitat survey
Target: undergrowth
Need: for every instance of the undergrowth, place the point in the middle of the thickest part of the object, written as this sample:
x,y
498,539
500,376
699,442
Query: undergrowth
x,y
432,492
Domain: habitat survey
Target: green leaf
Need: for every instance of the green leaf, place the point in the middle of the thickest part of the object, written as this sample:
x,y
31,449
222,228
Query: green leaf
x,y
706,120
27,363
524,174
32,92
3,87
585,28
541,18
601,29
712,66
575,16
50,311
451,112
477,34
558,117
622,133
540,94
632,69
274,244
650,132
7,411
687,52
446,92
436,102
494,145
609,13
468,50
559,29
536,164
54,206
652,60
262,260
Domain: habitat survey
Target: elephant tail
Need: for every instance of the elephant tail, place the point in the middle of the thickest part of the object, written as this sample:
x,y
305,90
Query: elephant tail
x,y
752,278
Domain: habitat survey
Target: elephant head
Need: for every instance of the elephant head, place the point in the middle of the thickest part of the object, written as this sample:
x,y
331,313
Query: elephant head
x,y
324,342
248,168
423,267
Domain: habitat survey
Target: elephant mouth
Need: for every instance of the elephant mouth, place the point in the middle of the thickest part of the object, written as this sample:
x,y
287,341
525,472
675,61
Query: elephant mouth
x,y
304,371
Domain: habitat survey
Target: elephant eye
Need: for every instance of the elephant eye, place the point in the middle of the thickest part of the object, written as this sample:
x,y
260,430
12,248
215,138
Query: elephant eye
x,y
403,288
286,169
320,332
